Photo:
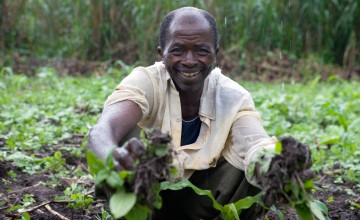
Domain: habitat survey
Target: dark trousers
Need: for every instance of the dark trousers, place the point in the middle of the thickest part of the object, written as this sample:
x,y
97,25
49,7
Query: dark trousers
x,y
226,183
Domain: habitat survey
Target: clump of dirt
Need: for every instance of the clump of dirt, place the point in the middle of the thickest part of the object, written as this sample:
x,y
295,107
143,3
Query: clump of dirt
x,y
287,170
153,167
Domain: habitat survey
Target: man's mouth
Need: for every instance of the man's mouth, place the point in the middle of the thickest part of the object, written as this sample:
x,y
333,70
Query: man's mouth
x,y
190,74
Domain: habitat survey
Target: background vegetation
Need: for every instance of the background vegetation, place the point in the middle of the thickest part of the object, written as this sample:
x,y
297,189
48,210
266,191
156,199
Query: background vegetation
x,y
44,120
128,29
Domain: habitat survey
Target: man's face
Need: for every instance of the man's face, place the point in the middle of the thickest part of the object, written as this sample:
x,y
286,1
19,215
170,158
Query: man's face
x,y
189,52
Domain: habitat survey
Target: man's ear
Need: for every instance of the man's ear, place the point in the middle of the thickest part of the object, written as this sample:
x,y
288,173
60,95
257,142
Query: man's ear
x,y
160,51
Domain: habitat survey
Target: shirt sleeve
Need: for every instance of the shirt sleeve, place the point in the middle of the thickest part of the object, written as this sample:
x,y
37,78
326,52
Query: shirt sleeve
x,y
247,142
137,87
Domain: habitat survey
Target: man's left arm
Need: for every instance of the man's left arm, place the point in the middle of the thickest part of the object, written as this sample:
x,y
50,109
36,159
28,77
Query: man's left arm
x,y
248,143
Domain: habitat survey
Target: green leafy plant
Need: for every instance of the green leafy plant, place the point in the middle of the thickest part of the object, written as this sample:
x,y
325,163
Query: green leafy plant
x,y
135,192
26,201
104,215
228,211
76,195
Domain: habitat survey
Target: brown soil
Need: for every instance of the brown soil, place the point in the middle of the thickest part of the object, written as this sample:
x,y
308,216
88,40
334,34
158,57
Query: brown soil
x,y
12,190
263,67
339,207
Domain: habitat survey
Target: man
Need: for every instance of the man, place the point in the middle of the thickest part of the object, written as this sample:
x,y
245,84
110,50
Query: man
x,y
215,129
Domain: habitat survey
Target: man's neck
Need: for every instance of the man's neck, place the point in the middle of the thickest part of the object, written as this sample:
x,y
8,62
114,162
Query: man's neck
x,y
190,104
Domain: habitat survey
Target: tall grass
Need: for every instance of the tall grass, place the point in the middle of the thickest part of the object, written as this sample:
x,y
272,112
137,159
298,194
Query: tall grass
x,y
128,29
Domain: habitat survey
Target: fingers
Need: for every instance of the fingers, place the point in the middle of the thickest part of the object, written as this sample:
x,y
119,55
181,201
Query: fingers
x,y
126,155
123,158
136,148
118,166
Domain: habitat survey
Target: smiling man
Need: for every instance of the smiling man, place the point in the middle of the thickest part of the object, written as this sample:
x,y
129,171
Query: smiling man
x,y
212,120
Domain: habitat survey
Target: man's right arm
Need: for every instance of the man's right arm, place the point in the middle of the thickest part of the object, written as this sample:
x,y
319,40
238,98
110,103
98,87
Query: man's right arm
x,y
115,122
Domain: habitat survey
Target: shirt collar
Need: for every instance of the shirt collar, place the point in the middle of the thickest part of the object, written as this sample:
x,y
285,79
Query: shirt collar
x,y
208,98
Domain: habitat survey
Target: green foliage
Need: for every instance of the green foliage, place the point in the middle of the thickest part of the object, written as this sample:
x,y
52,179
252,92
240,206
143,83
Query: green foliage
x,y
49,163
121,203
104,215
25,216
124,202
128,30
322,115
76,195
41,111
229,211
306,207
26,201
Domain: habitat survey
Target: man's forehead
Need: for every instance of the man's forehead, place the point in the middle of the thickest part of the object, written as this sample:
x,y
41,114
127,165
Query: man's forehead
x,y
184,18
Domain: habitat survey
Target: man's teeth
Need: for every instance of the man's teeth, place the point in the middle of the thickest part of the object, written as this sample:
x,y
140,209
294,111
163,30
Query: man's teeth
x,y
189,74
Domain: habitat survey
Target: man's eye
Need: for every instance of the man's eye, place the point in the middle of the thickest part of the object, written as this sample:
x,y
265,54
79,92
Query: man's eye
x,y
202,52
177,51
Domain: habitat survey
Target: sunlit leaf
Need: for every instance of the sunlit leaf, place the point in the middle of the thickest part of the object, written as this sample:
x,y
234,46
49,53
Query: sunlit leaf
x,y
121,203
186,183
304,212
246,202
277,212
95,164
319,209
100,177
138,212
309,184
114,180
329,140
278,147
231,212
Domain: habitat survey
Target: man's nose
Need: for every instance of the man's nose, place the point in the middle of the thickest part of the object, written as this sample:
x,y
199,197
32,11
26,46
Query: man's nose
x,y
190,60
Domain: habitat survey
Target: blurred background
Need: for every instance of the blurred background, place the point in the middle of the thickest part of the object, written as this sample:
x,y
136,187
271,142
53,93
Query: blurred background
x,y
259,39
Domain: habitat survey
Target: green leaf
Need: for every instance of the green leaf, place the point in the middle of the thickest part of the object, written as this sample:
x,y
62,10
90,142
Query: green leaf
x,y
329,140
356,205
343,121
114,180
304,212
278,147
246,202
186,183
319,209
138,212
309,184
123,174
109,161
100,177
121,203
355,125
158,201
278,212
231,212
95,164
330,199
25,216
57,155
161,150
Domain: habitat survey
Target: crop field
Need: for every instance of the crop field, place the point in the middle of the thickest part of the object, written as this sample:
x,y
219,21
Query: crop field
x,y
44,120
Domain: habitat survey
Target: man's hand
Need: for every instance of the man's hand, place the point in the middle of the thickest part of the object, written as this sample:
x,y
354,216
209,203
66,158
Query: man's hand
x,y
126,156
287,173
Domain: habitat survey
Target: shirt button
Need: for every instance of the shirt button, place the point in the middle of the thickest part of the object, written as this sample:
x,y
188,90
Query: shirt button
x,y
178,118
